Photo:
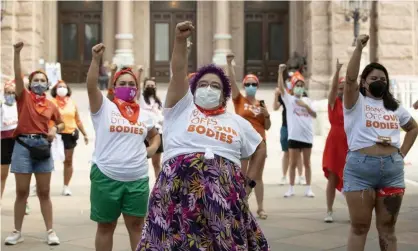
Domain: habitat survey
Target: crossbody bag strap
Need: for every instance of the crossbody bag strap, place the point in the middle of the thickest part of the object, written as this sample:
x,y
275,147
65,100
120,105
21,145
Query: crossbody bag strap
x,y
22,143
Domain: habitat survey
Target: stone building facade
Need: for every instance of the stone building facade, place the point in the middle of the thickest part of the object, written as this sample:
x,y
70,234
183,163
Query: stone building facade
x,y
261,34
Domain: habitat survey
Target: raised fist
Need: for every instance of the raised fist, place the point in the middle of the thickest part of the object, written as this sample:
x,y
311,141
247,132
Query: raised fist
x,y
184,30
113,67
98,51
140,68
362,41
18,46
229,58
339,65
282,68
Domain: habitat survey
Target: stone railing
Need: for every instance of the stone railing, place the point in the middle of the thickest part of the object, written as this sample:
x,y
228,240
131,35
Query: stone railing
x,y
405,89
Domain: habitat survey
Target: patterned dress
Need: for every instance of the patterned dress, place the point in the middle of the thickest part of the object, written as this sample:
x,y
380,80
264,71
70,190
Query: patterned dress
x,y
199,204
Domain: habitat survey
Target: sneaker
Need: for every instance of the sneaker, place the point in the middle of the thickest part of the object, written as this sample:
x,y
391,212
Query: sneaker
x,y
14,238
309,193
328,218
27,210
52,238
33,190
289,193
283,181
66,191
301,181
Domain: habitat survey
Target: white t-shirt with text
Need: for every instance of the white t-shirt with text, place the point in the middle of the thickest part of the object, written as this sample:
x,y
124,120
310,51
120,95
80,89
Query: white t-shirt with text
x,y
154,108
189,131
368,122
299,121
120,152
8,117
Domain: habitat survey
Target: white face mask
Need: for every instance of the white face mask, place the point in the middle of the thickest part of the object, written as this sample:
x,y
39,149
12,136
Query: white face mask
x,y
207,97
62,91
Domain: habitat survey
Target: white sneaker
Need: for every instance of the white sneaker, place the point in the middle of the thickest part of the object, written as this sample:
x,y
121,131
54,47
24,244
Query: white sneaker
x,y
289,193
301,181
309,193
52,238
283,181
328,218
66,191
14,238
32,190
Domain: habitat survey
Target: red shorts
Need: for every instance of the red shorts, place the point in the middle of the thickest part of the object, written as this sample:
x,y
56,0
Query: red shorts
x,y
389,191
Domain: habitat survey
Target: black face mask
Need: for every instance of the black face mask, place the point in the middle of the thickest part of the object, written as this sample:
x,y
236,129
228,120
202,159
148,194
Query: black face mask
x,y
377,88
149,91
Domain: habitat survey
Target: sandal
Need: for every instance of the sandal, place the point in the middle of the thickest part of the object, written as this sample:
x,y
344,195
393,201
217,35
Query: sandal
x,y
262,215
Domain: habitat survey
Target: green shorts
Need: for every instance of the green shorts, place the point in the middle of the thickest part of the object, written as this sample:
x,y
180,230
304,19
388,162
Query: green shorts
x,y
109,198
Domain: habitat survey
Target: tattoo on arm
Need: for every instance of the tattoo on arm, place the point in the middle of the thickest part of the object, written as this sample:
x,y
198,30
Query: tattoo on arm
x,y
412,124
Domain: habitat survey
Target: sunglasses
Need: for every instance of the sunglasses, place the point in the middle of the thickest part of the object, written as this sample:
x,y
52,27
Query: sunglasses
x,y
250,84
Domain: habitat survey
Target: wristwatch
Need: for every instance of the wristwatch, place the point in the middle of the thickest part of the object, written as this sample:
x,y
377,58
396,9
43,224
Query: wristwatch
x,y
251,183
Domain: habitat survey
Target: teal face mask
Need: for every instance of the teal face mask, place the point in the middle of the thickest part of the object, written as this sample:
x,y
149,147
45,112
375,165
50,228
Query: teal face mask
x,y
298,90
250,90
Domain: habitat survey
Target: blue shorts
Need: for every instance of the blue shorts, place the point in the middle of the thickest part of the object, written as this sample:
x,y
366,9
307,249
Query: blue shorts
x,y
363,172
23,163
283,139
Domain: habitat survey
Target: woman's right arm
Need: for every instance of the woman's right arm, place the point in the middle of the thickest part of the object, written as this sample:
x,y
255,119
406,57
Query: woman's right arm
x,y
351,88
231,76
93,91
20,86
179,84
276,102
332,95
280,82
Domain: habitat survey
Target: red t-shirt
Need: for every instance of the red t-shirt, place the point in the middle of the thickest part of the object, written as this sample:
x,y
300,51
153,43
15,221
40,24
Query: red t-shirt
x,y
250,112
31,121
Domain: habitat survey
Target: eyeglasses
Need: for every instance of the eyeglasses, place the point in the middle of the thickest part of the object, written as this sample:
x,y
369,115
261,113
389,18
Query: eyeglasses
x,y
250,84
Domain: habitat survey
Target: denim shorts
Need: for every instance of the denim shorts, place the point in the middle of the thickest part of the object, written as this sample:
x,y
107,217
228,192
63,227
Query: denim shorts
x,y
364,172
23,163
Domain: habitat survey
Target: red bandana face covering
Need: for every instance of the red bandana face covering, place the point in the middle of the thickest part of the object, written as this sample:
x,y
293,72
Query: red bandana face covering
x,y
220,110
129,110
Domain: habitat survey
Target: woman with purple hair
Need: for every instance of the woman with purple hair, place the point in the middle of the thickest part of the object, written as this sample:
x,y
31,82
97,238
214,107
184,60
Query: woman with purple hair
x,y
199,200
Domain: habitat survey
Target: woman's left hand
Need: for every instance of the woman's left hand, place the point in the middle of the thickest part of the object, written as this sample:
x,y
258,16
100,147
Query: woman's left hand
x,y
86,139
300,103
51,134
264,111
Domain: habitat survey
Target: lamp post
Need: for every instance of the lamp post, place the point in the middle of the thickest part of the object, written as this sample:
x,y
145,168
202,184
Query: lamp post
x,y
356,10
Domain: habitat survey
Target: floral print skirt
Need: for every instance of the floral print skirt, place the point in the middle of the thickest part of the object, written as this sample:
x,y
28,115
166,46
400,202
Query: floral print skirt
x,y
199,204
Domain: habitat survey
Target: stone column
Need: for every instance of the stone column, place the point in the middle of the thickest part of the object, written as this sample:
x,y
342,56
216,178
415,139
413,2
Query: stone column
x,y
222,33
50,32
124,34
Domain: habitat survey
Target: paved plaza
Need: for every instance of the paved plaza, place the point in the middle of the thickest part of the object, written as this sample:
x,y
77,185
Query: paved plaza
x,y
294,224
